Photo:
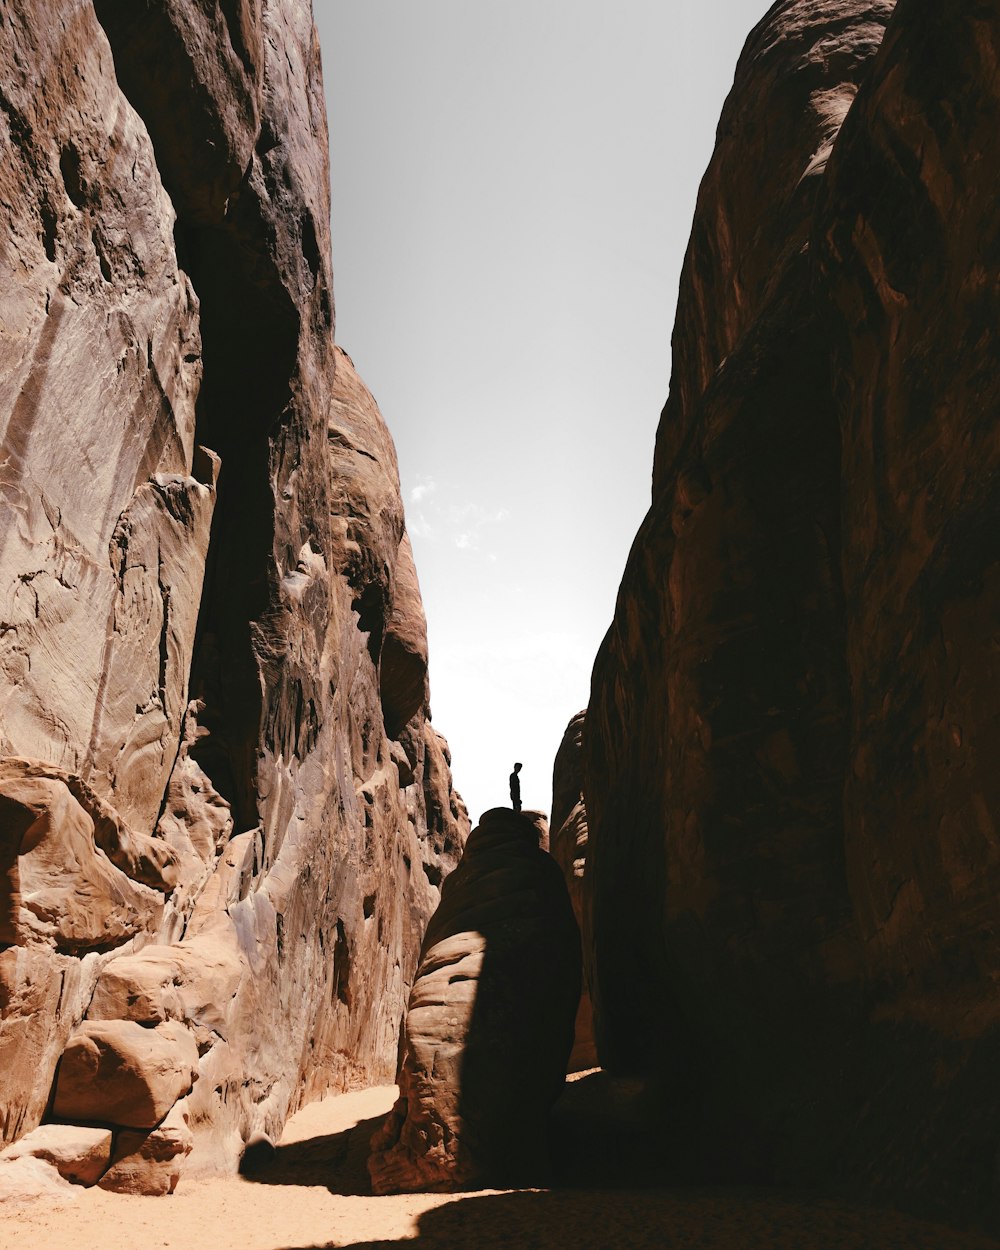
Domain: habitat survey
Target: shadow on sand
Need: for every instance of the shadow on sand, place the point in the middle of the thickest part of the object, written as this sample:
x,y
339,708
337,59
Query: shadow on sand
x,y
610,1194
335,1161
665,1220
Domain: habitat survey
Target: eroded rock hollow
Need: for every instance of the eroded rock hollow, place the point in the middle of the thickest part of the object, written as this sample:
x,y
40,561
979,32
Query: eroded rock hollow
x,y
224,812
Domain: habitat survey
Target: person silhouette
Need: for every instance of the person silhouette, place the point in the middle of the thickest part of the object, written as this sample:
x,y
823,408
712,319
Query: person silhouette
x,y
515,788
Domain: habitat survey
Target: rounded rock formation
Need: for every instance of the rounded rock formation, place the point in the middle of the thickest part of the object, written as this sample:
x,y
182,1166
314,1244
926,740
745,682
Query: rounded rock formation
x,y
489,1026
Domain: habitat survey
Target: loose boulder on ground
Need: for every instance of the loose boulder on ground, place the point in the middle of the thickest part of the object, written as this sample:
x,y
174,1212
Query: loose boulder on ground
x,y
117,1072
150,1163
27,1180
78,1154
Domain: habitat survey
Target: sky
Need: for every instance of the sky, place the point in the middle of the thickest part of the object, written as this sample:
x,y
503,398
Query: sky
x,y
513,186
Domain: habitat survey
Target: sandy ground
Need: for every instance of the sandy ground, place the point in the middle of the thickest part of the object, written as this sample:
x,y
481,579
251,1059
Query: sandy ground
x,y
312,1195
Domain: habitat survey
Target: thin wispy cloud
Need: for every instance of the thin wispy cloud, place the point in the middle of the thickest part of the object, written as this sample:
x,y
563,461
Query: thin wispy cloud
x,y
463,525
424,487
418,526
472,523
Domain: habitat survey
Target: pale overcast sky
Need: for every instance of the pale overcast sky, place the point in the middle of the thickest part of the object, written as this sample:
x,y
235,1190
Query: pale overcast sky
x,y
513,187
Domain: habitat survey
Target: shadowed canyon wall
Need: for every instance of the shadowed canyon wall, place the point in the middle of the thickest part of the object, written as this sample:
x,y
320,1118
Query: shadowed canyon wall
x,y
224,813
794,854
568,847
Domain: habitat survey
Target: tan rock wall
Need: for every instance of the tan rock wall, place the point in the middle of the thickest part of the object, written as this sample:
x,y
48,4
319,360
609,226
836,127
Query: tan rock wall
x,y
106,521
192,637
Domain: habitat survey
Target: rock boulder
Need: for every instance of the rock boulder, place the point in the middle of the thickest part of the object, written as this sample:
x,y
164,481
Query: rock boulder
x,y
149,1163
489,1024
117,1072
194,981
58,887
81,1155
28,1180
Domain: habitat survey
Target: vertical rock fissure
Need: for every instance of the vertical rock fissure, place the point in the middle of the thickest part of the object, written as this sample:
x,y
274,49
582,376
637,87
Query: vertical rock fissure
x,y
249,356
250,335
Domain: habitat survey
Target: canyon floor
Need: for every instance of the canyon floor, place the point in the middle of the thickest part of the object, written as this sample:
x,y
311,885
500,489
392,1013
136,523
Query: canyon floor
x,y
314,1194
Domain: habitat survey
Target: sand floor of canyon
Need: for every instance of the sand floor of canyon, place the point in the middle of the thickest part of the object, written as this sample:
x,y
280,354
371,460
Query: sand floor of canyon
x,y
314,1195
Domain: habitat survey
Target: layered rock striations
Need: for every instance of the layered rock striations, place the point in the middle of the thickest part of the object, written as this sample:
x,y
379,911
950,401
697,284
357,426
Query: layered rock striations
x,y
792,862
489,1025
224,813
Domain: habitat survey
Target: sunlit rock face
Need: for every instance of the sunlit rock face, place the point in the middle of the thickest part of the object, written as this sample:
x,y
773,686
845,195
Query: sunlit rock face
x,y
568,845
489,1026
222,817
792,869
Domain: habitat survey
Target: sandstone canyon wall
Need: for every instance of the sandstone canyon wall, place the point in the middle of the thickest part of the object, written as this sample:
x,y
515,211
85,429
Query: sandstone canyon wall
x,y
224,813
794,852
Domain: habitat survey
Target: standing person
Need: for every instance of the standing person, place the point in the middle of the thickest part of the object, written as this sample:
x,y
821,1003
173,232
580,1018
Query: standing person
x,y
515,788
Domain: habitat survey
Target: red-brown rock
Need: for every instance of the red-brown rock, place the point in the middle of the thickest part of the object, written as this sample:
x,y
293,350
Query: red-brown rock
x,y
109,505
790,739
568,847
713,786
194,981
193,69
489,1025
403,668
57,886
42,997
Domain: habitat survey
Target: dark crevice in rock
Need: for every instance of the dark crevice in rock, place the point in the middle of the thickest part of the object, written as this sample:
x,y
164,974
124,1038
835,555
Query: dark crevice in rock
x,y
342,966
72,175
233,12
49,229
250,332
201,149
371,608
249,340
